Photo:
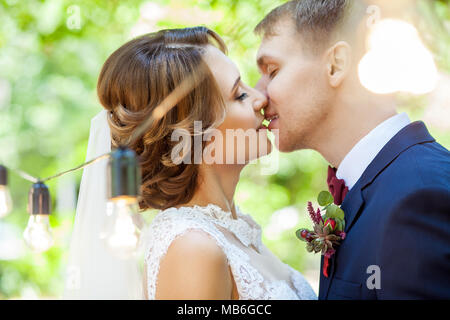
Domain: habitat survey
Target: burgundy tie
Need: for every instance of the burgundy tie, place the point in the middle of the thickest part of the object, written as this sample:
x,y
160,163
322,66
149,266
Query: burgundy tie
x,y
336,186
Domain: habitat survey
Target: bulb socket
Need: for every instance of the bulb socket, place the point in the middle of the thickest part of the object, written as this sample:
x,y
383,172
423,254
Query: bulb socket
x,y
124,174
39,199
3,176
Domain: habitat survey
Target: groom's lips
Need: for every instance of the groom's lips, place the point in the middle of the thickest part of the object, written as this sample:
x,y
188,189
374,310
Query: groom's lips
x,y
273,124
273,119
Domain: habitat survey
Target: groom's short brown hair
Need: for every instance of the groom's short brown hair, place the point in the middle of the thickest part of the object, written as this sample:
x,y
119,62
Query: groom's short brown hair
x,y
315,20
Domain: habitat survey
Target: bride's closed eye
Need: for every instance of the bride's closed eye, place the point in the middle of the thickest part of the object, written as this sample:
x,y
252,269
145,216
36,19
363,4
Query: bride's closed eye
x,y
242,97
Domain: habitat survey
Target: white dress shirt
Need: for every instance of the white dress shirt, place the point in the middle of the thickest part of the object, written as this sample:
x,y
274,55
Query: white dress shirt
x,y
363,153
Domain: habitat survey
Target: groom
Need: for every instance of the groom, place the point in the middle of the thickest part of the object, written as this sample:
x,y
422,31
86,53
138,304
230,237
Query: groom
x,y
392,178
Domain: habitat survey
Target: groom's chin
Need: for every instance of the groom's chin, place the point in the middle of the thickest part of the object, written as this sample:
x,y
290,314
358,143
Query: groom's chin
x,y
287,145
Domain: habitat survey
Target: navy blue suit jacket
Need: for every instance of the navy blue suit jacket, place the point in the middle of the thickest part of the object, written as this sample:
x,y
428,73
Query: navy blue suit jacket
x,y
397,218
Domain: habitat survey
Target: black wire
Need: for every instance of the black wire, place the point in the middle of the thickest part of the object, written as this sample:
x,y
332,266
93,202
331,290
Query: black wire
x,y
28,177
168,103
24,175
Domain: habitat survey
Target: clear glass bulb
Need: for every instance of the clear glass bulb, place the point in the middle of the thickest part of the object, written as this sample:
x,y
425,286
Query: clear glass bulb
x,y
5,201
38,235
121,234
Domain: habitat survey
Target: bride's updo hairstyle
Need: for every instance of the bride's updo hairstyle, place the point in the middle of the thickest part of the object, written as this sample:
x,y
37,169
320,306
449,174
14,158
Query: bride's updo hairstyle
x,y
136,80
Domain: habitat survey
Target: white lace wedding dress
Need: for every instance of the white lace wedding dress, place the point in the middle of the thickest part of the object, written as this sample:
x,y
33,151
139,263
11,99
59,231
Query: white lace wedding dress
x,y
258,273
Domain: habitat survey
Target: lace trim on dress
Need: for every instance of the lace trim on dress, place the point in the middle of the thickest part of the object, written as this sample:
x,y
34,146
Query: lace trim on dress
x,y
244,228
251,285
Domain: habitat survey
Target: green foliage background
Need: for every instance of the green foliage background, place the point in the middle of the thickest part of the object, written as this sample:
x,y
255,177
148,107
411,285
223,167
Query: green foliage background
x,y
51,70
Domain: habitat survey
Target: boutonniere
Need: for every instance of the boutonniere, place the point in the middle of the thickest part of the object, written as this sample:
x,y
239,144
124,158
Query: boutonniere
x,y
328,229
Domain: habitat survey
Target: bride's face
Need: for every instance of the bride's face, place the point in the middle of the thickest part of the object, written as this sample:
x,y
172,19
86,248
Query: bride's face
x,y
242,131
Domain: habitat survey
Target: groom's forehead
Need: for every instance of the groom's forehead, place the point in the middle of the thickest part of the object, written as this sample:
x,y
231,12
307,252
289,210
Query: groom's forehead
x,y
282,35
277,46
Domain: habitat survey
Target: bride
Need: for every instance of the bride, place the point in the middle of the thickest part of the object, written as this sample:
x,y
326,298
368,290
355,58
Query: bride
x,y
199,245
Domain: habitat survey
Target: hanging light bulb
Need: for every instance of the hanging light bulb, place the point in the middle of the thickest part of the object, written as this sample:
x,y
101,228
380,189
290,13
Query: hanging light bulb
x,y
121,234
5,196
38,235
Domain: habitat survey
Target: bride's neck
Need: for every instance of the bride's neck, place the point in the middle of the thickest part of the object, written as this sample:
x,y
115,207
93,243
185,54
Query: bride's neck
x,y
217,185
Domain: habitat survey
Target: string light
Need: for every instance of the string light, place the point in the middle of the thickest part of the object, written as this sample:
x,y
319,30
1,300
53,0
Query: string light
x,y
124,180
38,235
5,195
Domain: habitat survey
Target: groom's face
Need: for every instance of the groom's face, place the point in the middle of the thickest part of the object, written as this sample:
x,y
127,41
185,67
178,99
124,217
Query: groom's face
x,y
296,84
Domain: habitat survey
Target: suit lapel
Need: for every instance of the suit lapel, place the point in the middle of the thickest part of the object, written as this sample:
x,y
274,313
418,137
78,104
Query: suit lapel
x,y
352,205
409,136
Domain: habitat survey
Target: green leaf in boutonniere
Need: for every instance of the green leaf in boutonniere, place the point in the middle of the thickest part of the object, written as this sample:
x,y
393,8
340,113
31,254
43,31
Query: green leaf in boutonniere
x,y
333,211
325,198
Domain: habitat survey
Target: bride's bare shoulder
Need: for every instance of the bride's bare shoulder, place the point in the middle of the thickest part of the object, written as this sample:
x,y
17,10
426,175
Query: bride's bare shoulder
x,y
195,267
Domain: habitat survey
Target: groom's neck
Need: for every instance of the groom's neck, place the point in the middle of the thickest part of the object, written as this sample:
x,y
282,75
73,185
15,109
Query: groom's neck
x,y
351,120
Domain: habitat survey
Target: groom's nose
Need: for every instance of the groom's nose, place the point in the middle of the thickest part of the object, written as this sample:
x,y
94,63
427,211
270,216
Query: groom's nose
x,y
260,102
261,86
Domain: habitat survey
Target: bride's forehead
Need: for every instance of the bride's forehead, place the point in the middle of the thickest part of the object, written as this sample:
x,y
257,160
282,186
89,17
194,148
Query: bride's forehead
x,y
222,67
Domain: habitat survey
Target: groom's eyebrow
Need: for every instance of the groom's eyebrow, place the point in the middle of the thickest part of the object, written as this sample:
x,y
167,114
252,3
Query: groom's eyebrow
x,y
262,61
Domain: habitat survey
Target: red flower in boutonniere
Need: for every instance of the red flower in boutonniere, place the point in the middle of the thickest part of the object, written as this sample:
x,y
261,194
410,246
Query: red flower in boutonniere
x,y
328,228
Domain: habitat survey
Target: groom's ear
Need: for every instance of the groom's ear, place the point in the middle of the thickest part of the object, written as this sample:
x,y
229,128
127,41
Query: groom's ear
x,y
338,61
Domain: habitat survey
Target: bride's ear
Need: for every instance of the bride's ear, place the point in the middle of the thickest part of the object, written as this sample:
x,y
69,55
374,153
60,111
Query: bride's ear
x,y
338,61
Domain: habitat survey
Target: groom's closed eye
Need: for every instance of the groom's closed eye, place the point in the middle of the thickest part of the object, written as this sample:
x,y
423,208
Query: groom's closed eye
x,y
272,71
267,67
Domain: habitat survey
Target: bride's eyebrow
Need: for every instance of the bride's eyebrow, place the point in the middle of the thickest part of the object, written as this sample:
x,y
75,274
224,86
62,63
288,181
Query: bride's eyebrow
x,y
235,84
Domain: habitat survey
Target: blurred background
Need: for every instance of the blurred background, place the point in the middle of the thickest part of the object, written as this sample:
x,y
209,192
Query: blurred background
x,y
51,53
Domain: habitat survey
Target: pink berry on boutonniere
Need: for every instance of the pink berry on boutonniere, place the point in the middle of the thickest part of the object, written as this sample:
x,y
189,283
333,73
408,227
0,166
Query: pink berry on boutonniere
x,y
304,233
328,229
341,234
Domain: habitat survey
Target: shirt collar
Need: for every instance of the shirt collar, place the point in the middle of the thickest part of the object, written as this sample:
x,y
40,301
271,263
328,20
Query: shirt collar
x,y
363,153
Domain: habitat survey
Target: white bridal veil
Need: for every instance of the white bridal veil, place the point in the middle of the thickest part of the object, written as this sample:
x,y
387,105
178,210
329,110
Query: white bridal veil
x,y
92,271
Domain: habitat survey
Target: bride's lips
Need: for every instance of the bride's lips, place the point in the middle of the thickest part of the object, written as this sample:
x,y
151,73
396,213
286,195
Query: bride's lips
x,y
262,128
